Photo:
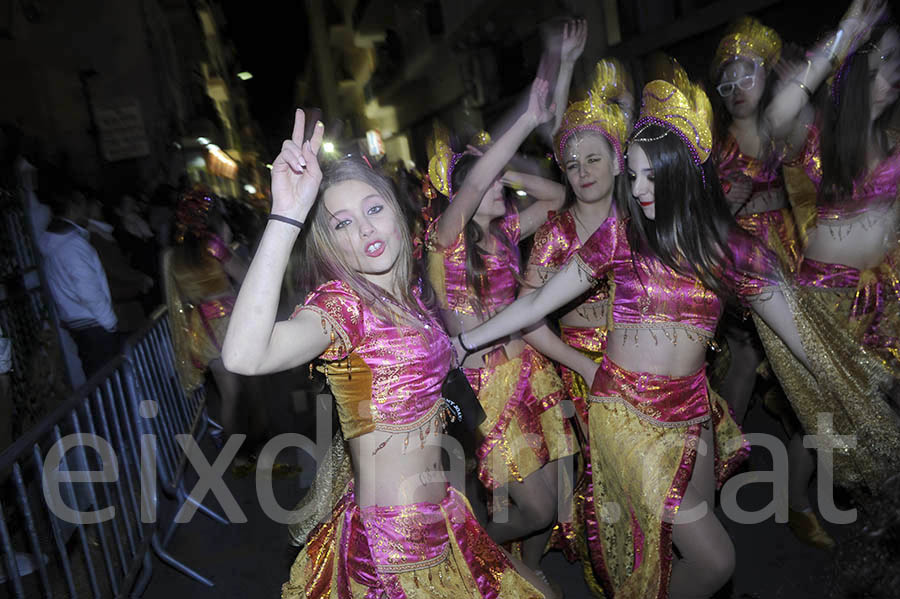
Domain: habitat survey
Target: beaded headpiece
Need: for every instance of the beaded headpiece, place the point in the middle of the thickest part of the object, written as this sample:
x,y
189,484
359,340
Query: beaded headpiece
x,y
680,107
598,112
750,39
442,158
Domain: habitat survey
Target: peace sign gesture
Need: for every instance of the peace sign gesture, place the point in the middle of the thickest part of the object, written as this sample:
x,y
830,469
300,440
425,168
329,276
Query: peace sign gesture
x,y
295,172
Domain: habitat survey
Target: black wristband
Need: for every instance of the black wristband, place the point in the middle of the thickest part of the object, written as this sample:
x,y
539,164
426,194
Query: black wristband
x,y
466,348
285,219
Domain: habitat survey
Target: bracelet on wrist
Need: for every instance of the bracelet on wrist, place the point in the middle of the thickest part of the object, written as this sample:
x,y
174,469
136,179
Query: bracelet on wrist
x,y
287,220
802,86
464,345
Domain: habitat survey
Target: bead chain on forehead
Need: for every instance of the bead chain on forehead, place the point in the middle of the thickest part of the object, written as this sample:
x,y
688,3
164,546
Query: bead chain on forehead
x,y
645,122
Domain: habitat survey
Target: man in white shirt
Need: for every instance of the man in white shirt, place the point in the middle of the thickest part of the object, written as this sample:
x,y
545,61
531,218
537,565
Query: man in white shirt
x,y
78,284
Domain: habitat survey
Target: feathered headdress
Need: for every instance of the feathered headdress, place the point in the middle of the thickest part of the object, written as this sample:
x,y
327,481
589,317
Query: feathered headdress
x,y
750,39
681,107
442,158
598,112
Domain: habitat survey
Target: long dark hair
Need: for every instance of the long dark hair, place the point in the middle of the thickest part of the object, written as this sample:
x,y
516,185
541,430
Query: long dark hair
x,y
845,126
473,234
692,225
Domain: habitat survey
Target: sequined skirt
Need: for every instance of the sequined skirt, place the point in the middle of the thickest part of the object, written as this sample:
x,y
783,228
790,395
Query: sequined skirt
x,y
644,433
778,230
420,550
525,426
846,334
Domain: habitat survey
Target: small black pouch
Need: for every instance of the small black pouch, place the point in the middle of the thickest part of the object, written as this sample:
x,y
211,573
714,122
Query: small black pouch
x,y
466,411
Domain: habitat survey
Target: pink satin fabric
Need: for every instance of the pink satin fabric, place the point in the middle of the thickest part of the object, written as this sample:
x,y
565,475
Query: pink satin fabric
x,y
873,292
656,397
378,542
499,276
875,190
732,162
522,406
555,242
407,364
217,308
769,225
656,294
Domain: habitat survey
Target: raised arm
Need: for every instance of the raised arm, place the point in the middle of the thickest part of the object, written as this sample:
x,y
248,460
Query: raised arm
x,y
466,200
787,115
574,37
550,195
563,287
255,343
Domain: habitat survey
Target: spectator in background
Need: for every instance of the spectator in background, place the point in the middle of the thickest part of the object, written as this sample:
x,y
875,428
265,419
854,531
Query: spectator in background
x,y
127,285
77,282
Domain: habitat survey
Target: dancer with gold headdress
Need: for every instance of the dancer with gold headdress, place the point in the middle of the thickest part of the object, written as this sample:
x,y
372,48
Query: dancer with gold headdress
x,y
660,440
588,148
200,274
474,267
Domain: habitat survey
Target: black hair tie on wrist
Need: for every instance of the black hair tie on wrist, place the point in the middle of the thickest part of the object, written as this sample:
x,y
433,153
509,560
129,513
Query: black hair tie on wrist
x,y
465,347
285,219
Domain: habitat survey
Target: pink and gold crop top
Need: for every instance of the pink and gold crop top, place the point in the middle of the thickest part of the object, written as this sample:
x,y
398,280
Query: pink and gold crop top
x,y
662,298
447,271
385,376
555,242
877,189
731,161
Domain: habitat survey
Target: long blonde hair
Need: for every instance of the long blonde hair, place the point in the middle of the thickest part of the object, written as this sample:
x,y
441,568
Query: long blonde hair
x,y
322,260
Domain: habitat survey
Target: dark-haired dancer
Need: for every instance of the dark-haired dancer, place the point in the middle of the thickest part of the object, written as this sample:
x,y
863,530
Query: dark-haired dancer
x,y
848,283
474,267
398,531
660,441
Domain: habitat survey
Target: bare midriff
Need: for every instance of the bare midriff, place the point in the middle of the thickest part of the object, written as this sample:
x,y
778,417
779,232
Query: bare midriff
x,y
389,471
668,349
860,242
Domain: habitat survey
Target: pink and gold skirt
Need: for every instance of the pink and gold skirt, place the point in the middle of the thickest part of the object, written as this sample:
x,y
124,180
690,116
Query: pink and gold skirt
x,y
415,551
525,426
644,432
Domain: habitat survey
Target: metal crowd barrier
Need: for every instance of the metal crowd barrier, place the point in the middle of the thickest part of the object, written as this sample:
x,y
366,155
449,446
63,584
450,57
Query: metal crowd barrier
x,y
46,552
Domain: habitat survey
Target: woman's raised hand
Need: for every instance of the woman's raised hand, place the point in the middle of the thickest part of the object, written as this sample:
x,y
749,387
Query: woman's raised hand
x,y
573,40
295,172
859,20
537,102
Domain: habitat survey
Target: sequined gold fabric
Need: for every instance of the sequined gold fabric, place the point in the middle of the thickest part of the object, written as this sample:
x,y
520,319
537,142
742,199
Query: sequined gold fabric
x,y
848,387
640,471
749,39
598,112
525,427
345,557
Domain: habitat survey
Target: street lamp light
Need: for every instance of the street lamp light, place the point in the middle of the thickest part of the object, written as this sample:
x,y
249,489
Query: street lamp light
x,y
245,76
328,147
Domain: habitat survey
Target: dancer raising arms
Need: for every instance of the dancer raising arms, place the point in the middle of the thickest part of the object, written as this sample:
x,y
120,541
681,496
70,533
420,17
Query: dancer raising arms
x,y
474,267
847,283
672,253
588,147
398,531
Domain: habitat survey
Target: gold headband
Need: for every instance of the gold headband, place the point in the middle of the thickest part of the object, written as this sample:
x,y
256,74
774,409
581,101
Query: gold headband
x,y
750,39
681,107
598,112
